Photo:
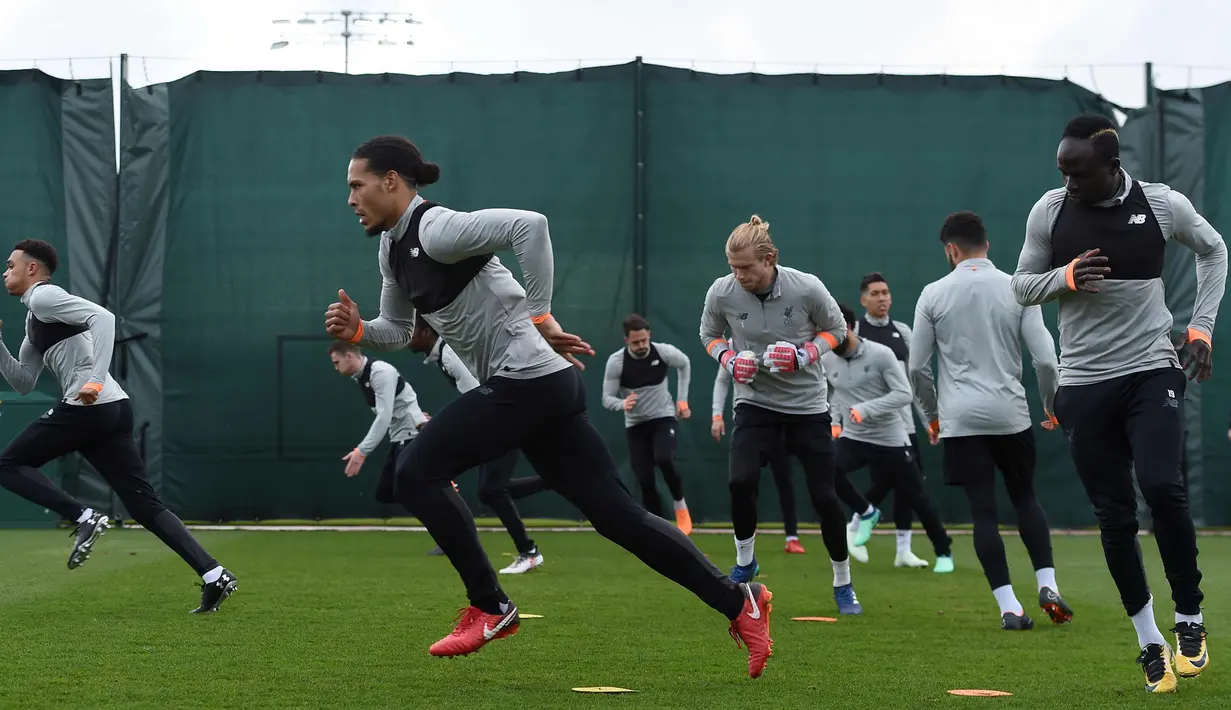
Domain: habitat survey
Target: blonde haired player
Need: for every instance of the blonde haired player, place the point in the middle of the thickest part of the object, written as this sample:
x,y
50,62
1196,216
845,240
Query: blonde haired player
x,y
768,325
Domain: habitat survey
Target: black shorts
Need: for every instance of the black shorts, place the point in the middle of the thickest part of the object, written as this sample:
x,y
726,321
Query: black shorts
x,y
386,486
974,459
881,461
760,433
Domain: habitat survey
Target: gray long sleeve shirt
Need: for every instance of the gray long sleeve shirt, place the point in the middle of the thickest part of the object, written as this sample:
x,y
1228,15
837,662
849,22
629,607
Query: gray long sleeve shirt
x,y
75,361
872,382
908,419
452,366
397,414
1125,327
798,309
722,388
654,401
972,321
488,325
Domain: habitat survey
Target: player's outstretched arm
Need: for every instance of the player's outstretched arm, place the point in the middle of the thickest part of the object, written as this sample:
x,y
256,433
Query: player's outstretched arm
x,y
922,346
722,388
1194,232
384,385
21,374
1043,355
677,359
827,317
899,394
391,330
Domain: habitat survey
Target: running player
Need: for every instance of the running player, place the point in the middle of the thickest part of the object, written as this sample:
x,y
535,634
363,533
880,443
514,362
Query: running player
x,y
636,383
780,321
73,338
441,263
868,391
779,463
971,321
497,487
1096,246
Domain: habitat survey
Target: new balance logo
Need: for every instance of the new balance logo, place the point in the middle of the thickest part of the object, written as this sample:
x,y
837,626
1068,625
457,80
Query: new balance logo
x,y
1137,219
414,251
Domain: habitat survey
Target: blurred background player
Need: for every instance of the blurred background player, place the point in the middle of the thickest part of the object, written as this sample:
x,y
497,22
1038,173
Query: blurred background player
x,y
779,463
635,382
877,326
868,391
971,320
780,321
397,411
497,487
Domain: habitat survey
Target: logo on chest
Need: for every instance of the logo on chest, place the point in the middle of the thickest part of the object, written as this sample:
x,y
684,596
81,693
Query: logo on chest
x,y
414,251
788,315
1136,219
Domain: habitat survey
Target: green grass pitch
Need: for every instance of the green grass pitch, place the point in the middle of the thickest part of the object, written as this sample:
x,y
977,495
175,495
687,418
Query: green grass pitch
x,y
344,620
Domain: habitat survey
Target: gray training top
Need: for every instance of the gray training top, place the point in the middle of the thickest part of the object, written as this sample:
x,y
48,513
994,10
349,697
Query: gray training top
x,y
904,331
971,317
397,414
488,325
871,381
649,382
798,309
77,354
1125,327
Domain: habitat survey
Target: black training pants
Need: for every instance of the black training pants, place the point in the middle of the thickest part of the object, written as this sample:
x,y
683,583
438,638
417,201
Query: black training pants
x,y
651,445
544,417
971,462
1136,423
758,433
103,434
893,469
498,489
780,466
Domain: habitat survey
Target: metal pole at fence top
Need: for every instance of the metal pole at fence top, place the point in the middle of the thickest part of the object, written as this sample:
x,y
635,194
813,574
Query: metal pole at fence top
x,y
387,29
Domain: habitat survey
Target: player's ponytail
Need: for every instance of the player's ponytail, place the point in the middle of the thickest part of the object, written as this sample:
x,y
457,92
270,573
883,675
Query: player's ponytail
x,y
753,234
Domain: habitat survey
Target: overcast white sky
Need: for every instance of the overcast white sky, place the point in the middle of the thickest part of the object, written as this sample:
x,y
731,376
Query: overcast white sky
x,y
1103,45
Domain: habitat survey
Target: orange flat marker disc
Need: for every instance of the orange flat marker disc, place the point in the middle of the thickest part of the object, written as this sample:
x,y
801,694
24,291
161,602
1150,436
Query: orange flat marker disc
x,y
812,618
980,693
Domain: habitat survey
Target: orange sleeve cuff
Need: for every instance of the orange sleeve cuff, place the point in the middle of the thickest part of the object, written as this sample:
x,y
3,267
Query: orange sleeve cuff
x,y
93,386
359,453
827,337
716,418
1194,334
709,349
539,319
682,404
1069,279
934,426
358,333
835,431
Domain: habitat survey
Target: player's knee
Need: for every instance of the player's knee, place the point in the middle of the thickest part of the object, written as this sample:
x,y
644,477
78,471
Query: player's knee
x,y
664,462
489,494
1164,494
142,505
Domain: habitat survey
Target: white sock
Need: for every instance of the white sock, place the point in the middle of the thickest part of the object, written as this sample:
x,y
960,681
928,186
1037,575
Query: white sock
x,y
853,526
681,505
903,541
212,576
743,550
1046,577
791,537
1147,629
841,572
1007,600
85,515
1189,618
869,511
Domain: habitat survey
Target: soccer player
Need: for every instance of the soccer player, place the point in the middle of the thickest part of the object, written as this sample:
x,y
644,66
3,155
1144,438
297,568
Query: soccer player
x,y
779,463
978,406
636,383
442,264
781,321
393,401
877,326
1095,246
869,390
497,487
73,338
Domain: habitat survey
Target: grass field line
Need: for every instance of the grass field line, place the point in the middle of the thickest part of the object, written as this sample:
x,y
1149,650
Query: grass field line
x,y
575,528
